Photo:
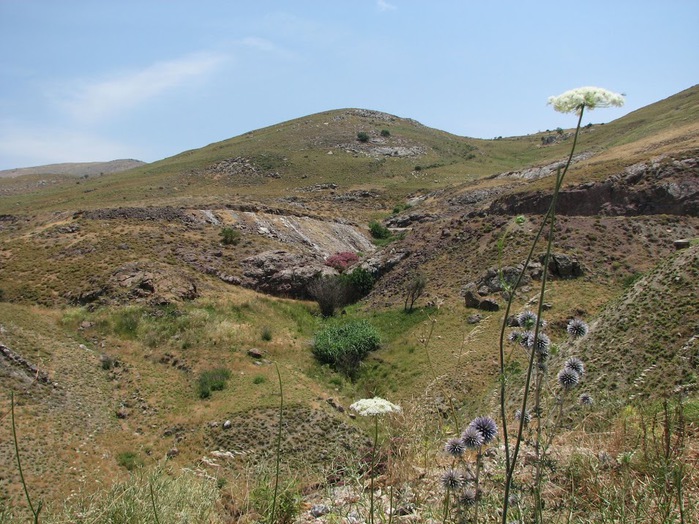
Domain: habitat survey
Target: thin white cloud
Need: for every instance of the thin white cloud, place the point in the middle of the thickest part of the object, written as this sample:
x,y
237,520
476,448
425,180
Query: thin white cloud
x,y
97,100
266,46
385,6
23,146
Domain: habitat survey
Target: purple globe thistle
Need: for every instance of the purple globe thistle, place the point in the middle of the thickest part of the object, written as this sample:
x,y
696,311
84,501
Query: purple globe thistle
x,y
527,416
585,399
515,337
541,343
568,378
472,438
451,479
486,426
455,447
577,328
527,319
524,338
576,365
468,497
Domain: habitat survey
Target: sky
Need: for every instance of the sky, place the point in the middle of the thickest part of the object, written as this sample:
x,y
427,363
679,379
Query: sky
x,y
97,80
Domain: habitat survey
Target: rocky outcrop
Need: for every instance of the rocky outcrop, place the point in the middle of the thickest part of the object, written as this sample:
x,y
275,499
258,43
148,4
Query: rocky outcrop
x,y
282,273
669,187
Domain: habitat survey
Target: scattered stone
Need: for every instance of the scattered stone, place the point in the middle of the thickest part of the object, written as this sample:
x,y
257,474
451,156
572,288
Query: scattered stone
x,y
474,319
227,424
318,510
173,453
255,353
682,243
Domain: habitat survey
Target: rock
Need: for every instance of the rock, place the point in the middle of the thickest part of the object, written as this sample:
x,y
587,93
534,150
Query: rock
x,y
474,319
318,510
172,453
563,266
122,413
470,294
227,424
255,353
681,243
488,304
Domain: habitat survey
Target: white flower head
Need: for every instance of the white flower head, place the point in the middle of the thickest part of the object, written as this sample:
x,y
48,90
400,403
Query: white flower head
x,y
371,407
589,97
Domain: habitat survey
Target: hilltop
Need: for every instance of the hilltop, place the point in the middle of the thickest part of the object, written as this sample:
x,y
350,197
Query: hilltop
x,y
119,291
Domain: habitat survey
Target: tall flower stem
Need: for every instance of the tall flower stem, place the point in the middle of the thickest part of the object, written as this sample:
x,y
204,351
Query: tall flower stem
x,y
511,459
35,512
371,470
279,444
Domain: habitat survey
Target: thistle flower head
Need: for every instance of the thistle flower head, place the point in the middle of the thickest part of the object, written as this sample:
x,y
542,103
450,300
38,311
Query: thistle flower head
x,y
451,479
455,447
574,100
527,416
371,407
527,319
486,427
468,497
585,399
576,365
540,344
515,336
568,378
472,438
577,328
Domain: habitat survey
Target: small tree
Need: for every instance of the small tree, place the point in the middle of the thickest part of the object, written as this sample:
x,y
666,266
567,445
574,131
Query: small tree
x,y
414,290
330,292
378,230
344,346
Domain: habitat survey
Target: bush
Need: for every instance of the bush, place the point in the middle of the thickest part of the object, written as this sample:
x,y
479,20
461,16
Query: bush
x,y
342,260
230,236
378,230
129,460
330,292
362,136
385,132
212,380
288,502
358,284
344,346
413,291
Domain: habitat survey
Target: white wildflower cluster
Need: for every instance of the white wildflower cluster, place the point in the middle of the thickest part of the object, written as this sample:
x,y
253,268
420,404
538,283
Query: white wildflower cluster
x,y
589,97
371,407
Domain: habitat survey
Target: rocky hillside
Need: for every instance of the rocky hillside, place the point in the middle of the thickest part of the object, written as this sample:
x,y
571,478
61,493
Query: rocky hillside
x,y
76,169
118,292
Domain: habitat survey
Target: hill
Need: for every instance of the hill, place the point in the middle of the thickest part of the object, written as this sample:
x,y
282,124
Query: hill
x,y
120,292
78,169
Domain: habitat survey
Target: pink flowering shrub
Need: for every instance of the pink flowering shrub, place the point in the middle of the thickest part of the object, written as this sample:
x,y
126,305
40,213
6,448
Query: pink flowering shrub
x,y
342,260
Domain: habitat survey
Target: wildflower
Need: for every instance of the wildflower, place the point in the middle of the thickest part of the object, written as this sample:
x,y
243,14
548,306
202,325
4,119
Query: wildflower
x,y
524,338
568,378
451,479
468,497
577,328
527,319
486,426
527,416
585,399
371,407
576,365
575,100
541,344
515,336
472,438
455,447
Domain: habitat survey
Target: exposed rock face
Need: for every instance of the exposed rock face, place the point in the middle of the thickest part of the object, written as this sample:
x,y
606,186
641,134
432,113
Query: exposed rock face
x,y
669,187
282,273
563,266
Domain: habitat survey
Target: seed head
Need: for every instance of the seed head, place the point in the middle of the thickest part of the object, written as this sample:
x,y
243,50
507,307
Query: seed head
x,y
455,447
577,328
586,400
472,438
451,479
576,365
568,378
486,426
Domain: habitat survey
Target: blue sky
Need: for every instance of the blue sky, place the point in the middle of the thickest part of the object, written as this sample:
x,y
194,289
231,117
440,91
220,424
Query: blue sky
x,y
104,79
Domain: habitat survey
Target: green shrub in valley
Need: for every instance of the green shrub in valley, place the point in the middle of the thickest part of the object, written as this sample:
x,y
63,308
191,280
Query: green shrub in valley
x,y
378,230
344,346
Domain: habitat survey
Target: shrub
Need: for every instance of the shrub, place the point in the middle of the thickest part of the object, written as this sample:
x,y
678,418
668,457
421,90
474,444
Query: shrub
x,y
288,502
362,136
344,346
129,460
230,236
266,333
385,132
414,290
358,284
378,230
330,292
342,260
212,380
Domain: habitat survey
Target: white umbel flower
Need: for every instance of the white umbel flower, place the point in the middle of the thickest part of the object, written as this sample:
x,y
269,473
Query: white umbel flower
x,y
371,407
589,97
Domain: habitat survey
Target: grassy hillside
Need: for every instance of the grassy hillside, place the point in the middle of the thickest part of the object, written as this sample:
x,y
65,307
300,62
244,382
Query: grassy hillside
x,y
122,292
